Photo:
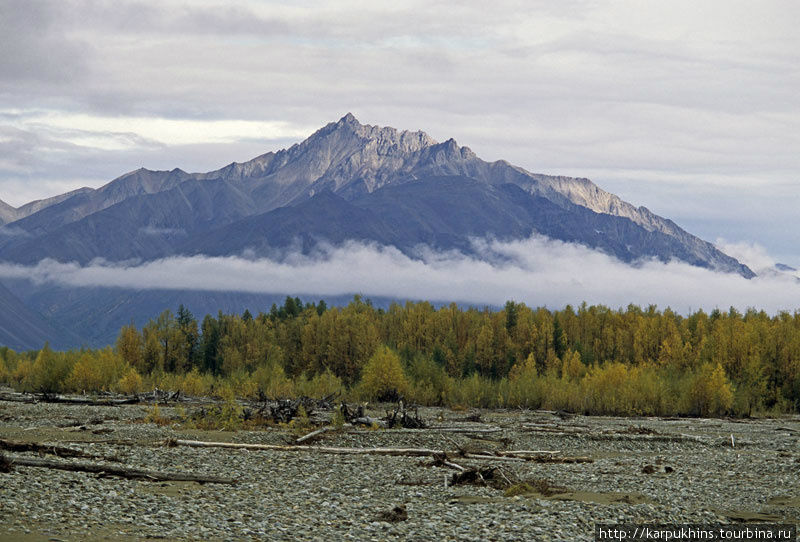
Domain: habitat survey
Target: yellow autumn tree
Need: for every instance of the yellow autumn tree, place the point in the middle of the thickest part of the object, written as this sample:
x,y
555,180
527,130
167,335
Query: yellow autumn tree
x,y
571,366
383,378
711,393
131,382
524,386
130,346
49,372
95,371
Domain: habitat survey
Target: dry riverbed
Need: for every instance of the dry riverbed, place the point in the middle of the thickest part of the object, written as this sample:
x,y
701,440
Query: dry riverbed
x,y
632,470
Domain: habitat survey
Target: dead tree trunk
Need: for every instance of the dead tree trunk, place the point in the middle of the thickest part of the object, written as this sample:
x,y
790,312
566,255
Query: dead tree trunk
x,y
60,451
111,470
538,456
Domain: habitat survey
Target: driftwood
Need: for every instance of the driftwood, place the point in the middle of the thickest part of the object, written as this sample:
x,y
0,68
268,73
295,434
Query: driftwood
x,y
414,452
481,431
485,476
543,458
87,401
285,410
402,417
615,436
399,417
155,396
60,451
313,434
539,456
17,397
111,470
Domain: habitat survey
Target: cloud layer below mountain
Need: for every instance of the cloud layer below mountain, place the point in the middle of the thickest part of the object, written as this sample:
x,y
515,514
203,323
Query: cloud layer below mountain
x,y
536,271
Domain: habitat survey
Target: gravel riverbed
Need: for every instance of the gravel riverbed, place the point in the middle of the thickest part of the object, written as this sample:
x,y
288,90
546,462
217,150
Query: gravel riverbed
x,y
644,470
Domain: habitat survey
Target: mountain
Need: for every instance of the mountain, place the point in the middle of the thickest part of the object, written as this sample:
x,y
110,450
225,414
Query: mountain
x,y
11,214
441,212
22,328
347,181
7,213
150,214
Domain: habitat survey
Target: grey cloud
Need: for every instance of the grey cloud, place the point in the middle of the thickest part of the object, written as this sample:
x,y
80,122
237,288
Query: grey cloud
x,y
535,271
171,18
38,162
35,48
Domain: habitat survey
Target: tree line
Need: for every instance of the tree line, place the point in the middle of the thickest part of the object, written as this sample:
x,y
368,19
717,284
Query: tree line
x,y
589,359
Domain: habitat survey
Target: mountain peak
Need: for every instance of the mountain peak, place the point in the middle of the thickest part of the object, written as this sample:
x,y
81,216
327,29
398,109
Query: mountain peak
x,y
350,119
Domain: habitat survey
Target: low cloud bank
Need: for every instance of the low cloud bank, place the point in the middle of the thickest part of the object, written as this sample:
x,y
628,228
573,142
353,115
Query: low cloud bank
x,y
536,271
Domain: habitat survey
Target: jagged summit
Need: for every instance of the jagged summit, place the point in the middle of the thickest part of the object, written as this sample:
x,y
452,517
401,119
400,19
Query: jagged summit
x,y
385,137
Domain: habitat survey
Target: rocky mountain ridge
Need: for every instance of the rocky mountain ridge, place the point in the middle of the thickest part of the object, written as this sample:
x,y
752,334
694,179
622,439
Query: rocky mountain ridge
x,y
347,158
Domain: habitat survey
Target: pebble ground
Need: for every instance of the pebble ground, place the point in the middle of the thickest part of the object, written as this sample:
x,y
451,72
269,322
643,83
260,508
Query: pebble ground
x,y
304,496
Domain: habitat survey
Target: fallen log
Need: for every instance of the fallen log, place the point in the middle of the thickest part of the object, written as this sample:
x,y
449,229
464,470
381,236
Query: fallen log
x,y
313,434
564,432
518,455
87,401
429,429
480,431
60,399
111,470
17,398
556,459
490,457
60,451
412,452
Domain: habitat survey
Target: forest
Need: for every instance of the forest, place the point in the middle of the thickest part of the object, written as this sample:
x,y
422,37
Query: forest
x,y
592,360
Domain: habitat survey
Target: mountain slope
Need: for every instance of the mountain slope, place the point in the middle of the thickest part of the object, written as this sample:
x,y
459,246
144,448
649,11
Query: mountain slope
x,y
23,329
445,212
46,216
144,226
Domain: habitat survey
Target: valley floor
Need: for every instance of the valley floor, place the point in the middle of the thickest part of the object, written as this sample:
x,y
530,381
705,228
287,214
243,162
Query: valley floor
x,y
642,470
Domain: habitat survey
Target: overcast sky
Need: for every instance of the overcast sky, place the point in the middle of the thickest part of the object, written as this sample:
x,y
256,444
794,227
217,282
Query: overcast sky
x,y
689,108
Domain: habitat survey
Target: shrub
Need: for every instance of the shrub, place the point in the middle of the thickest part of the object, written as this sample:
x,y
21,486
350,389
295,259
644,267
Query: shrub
x,y
474,391
21,374
49,372
95,371
196,384
155,416
325,384
131,382
301,424
429,381
229,416
383,378
711,393
271,380
524,385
